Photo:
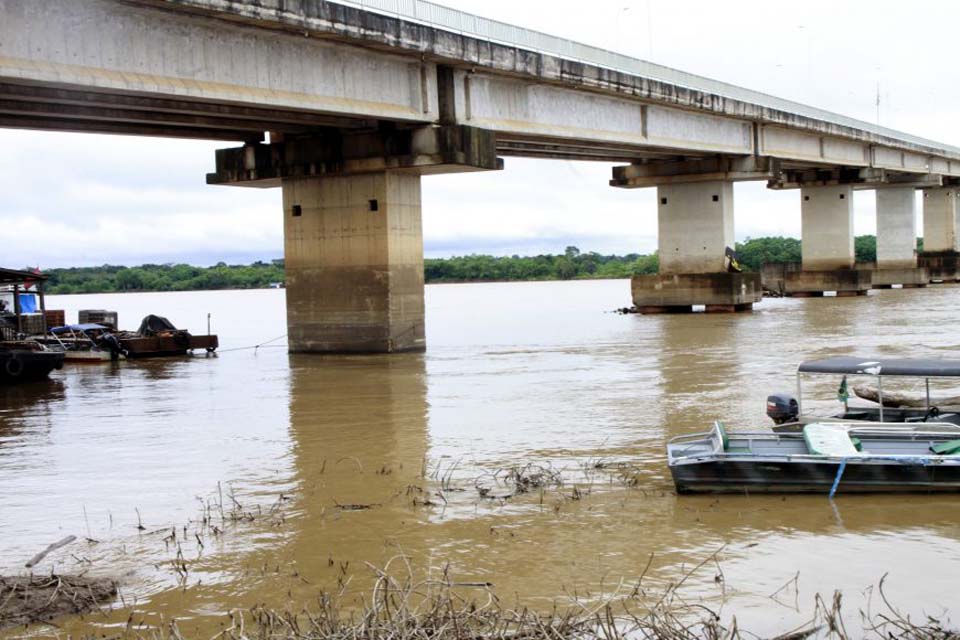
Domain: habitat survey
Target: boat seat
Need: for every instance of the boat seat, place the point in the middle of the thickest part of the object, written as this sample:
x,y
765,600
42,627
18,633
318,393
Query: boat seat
x,y
725,440
828,440
949,448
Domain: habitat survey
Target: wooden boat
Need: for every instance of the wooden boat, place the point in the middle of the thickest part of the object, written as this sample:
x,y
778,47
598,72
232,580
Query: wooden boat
x,y
24,361
157,337
823,458
788,414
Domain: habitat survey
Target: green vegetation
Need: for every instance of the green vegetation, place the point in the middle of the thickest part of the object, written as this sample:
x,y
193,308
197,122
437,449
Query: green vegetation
x,y
570,265
164,277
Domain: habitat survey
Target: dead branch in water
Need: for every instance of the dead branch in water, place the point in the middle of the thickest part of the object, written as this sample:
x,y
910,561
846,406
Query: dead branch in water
x,y
30,599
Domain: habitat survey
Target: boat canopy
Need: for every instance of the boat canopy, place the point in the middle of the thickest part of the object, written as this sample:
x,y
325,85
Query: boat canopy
x,y
87,326
852,365
14,276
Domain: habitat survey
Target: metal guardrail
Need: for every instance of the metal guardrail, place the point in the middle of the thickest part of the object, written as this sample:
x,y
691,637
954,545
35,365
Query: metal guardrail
x,y
441,17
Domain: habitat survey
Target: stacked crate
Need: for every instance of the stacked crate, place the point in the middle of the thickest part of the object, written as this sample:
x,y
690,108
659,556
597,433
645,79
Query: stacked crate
x,y
56,318
99,316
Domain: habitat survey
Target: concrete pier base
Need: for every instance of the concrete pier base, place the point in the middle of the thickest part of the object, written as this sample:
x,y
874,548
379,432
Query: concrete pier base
x,y
941,266
354,263
679,293
846,282
907,277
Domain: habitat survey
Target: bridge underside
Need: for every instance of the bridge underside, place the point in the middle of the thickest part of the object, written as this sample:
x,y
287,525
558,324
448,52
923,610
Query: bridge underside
x,y
358,106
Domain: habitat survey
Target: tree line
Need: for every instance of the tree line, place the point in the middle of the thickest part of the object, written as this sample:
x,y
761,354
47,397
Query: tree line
x,y
572,264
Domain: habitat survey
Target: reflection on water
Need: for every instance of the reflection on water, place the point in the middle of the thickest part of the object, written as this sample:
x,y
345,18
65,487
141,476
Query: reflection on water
x,y
346,460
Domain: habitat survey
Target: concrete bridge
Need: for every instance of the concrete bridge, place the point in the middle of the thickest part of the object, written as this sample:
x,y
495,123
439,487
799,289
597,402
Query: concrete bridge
x,y
345,105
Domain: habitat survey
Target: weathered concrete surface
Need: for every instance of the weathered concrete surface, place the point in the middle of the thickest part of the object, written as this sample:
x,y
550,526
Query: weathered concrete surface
x,y
942,266
232,69
941,218
719,168
420,151
826,223
907,277
896,229
826,141
663,293
843,281
354,261
133,49
695,226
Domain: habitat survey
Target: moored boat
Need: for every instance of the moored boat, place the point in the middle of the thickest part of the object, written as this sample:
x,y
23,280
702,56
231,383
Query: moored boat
x,y
158,337
823,458
87,342
25,361
886,405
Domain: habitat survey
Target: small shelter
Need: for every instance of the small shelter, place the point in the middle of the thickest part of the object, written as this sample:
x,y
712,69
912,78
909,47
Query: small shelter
x,y
17,303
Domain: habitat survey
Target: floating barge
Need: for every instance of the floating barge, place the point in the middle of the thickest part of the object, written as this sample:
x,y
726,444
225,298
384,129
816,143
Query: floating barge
x,y
22,359
157,337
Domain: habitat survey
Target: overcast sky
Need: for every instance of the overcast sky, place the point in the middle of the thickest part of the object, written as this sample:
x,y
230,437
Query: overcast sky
x,y
75,199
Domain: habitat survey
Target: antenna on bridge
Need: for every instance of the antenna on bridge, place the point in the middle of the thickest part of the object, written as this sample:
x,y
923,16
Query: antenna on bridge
x,y
878,102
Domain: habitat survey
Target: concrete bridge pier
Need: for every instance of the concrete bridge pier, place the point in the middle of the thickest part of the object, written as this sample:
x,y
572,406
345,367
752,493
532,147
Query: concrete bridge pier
x,y
353,239
828,252
353,248
897,240
695,229
941,249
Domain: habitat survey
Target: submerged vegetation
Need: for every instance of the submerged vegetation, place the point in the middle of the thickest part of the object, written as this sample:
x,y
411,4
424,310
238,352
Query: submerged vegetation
x,y
572,264
402,600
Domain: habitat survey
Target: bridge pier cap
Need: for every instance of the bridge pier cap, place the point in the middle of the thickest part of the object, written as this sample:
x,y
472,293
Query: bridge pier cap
x,y
353,235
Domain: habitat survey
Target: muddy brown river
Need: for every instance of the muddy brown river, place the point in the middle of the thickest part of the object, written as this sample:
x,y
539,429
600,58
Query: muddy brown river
x,y
210,484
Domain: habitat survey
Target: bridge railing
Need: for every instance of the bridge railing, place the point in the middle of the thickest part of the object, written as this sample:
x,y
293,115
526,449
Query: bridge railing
x,y
441,17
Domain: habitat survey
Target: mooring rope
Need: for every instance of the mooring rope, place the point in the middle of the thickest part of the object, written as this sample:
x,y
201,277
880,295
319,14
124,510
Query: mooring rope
x,y
836,480
907,459
257,346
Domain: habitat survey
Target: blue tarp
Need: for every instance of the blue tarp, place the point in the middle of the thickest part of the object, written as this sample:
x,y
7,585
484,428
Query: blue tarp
x,y
28,303
87,326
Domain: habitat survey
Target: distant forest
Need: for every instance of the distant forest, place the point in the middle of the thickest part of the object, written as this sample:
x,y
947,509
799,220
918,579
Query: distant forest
x,y
570,265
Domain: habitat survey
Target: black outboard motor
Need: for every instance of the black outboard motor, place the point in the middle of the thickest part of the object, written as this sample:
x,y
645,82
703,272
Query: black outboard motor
x,y
782,408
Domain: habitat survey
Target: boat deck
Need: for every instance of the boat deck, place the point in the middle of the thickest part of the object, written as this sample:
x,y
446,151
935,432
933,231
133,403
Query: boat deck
x,y
891,458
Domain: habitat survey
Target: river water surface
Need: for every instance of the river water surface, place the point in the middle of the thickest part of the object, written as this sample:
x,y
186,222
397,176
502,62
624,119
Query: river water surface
x,y
307,467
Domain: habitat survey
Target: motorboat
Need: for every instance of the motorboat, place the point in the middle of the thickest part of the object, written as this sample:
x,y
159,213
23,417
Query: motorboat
x,y
85,342
825,458
887,404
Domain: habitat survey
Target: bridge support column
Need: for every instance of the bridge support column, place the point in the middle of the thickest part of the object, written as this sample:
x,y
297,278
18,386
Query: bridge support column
x,y
695,229
826,229
941,242
897,239
353,238
353,248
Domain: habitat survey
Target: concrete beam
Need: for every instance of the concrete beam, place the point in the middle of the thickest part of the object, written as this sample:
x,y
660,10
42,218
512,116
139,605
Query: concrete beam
x,y
827,228
857,177
422,151
722,168
459,48
135,50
